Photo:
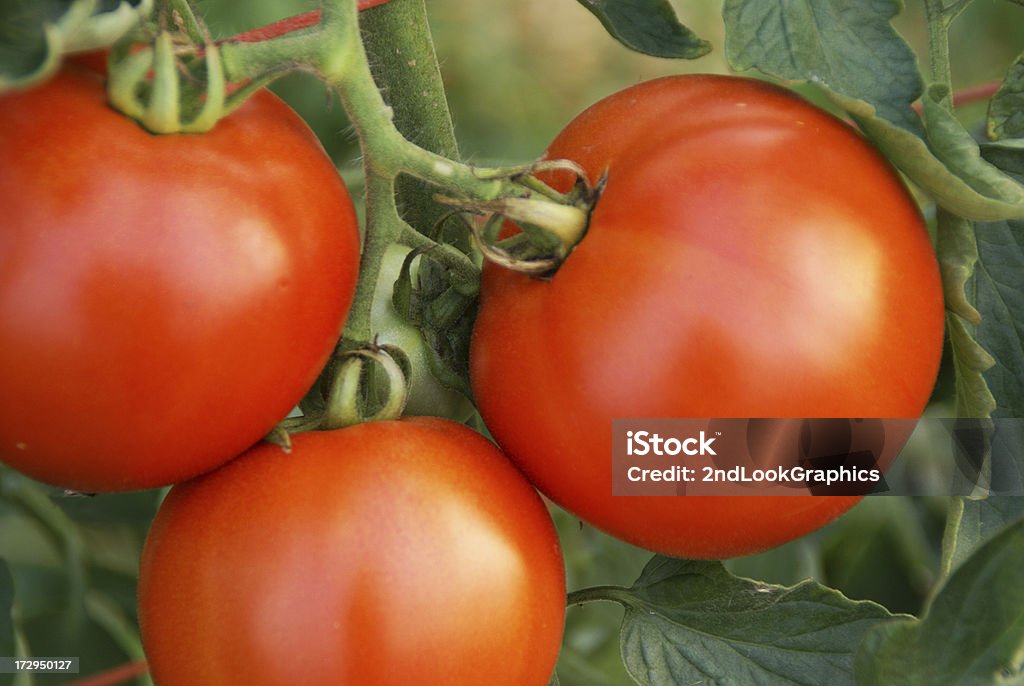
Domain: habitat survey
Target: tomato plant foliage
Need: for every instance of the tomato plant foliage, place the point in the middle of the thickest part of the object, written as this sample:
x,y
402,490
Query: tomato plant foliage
x,y
164,300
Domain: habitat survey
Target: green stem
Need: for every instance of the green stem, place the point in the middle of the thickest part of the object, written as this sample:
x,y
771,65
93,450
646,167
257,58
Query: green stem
x,y
452,258
383,227
387,153
248,60
105,613
335,51
939,20
183,10
614,594
62,531
405,66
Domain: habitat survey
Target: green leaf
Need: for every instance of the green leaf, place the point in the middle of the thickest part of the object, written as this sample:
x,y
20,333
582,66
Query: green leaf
x,y
648,26
973,396
1006,109
958,258
850,48
692,622
963,196
999,291
35,34
973,632
847,46
958,150
973,522
7,647
957,251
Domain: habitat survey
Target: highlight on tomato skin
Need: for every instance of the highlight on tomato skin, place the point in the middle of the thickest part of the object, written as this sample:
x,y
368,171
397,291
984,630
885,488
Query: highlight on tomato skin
x,y
384,554
750,256
160,309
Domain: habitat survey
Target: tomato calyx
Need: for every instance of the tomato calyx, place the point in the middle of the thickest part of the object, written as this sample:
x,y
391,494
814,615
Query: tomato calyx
x,y
533,229
147,84
365,384
356,397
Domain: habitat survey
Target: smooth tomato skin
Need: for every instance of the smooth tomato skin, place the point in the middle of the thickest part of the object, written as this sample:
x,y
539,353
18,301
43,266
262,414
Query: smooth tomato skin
x,y
164,300
751,256
389,553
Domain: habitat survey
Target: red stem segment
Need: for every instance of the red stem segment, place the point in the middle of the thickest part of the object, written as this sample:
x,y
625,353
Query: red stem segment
x,y
977,93
115,676
967,96
289,24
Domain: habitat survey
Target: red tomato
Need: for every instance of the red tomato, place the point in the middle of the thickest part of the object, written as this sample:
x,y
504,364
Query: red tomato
x,y
389,553
164,300
751,256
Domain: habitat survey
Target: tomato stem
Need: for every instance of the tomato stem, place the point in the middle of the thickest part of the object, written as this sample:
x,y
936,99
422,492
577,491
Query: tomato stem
x,y
939,19
614,594
184,15
449,256
335,50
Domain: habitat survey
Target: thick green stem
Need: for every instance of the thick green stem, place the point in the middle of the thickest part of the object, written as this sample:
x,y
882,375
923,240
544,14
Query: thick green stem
x,y
404,64
387,153
383,227
939,19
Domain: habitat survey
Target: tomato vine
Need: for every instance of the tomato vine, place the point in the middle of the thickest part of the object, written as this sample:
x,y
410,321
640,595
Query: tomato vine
x,y
654,280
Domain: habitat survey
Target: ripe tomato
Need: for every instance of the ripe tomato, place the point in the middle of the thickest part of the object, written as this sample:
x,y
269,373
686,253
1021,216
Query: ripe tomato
x,y
408,552
164,300
427,395
751,256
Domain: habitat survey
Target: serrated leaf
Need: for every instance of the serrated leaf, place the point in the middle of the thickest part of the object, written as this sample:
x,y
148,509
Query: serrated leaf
x,y
973,397
958,150
914,158
972,522
999,291
648,26
693,622
957,250
1006,109
35,34
972,633
7,647
850,48
847,46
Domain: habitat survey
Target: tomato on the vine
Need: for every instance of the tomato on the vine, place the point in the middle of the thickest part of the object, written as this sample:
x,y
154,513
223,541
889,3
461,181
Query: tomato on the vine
x,y
164,300
750,256
388,553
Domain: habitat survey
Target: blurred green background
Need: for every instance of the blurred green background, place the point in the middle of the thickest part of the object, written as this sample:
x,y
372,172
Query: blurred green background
x,y
516,72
